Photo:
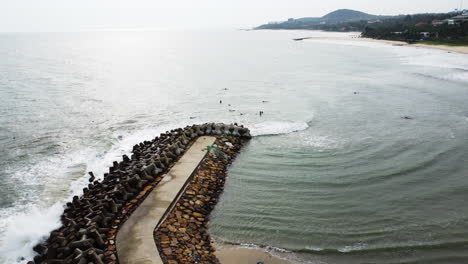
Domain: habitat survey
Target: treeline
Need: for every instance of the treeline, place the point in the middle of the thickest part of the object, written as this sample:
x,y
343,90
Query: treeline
x,y
307,25
355,26
412,28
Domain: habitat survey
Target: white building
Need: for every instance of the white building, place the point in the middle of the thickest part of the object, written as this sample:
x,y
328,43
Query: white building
x,y
425,34
460,18
450,21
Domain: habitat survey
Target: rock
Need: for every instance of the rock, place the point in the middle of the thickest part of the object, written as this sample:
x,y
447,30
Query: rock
x,y
167,251
191,241
197,214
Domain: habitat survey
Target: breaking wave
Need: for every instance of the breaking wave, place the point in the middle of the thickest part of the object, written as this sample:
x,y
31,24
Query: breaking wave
x,y
25,225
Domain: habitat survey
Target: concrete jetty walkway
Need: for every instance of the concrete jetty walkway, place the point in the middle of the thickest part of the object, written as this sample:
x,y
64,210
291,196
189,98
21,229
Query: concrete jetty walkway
x,y
135,241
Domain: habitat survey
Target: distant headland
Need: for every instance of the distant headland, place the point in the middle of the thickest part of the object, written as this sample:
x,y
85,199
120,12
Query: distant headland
x,y
432,28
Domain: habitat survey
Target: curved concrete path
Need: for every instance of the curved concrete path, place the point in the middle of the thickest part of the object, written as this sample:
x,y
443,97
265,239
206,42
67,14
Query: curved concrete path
x,y
135,242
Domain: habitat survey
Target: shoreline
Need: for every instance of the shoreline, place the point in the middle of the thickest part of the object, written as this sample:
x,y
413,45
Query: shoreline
x,y
455,49
234,254
231,254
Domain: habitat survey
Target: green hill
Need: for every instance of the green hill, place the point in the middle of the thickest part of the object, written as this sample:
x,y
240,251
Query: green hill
x,y
345,15
333,18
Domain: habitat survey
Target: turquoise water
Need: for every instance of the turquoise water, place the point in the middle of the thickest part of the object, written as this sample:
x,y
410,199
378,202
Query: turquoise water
x,y
334,174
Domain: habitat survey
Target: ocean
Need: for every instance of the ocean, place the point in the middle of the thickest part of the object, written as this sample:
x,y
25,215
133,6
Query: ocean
x,y
335,173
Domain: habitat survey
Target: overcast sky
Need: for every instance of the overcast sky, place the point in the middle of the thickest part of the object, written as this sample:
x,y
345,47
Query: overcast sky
x,y
78,15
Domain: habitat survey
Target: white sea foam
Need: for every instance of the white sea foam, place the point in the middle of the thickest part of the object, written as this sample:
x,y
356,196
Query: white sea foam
x,y
24,230
413,55
319,142
280,253
345,249
356,247
253,246
432,57
314,248
276,127
460,76
25,225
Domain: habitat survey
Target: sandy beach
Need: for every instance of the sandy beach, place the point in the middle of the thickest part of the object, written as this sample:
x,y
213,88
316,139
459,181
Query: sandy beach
x,y
458,49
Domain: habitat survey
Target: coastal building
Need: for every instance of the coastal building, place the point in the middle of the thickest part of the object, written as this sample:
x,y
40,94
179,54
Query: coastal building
x,y
437,22
449,21
460,18
425,35
420,24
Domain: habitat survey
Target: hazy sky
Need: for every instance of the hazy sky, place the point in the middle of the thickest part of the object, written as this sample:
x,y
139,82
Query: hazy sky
x,y
74,15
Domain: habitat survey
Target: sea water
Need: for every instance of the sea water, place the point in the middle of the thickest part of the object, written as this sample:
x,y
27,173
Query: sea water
x,y
334,173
